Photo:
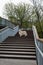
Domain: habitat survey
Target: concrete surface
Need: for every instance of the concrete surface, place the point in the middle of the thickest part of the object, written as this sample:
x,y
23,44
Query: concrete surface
x,y
17,62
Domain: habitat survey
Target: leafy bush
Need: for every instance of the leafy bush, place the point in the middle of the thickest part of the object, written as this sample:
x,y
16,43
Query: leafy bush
x,y
39,30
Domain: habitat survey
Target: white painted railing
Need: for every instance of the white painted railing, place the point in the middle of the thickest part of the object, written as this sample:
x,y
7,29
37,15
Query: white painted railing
x,y
5,32
39,47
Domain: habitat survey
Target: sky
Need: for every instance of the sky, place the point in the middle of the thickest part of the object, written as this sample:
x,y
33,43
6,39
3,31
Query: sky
x,y
3,2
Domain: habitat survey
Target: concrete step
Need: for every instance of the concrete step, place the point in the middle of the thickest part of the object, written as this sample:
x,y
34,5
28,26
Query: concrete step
x,y
18,57
18,44
29,47
14,38
17,53
7,45
16,47
23,42
17,40
17,50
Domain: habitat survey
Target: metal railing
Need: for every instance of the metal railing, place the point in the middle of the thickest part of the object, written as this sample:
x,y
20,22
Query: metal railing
x,y
39,47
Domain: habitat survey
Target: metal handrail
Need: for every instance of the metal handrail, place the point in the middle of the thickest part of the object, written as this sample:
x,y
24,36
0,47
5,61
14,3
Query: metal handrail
x,y
36,38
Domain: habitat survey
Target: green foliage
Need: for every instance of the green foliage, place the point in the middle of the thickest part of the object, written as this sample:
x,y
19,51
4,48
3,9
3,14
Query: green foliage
x,y
18,12
25,24
38,29
22,13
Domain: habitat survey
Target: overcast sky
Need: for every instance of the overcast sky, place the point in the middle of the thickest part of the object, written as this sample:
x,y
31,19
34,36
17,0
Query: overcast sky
x,y
2,3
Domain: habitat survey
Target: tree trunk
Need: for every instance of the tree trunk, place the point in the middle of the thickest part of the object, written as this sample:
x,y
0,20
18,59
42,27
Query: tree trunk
x,y
21,23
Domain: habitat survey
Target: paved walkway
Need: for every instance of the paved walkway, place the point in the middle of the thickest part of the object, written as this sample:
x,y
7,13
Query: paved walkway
x,y
17,62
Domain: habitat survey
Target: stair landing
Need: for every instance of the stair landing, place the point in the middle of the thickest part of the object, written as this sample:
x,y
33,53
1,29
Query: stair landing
x,y
17,62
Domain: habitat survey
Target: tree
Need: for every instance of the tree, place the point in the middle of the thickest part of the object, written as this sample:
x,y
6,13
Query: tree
x,y
19,12
38,13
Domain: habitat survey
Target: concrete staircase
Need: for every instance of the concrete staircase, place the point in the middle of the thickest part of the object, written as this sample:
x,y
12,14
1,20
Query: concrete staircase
x,y
16,50
16,47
